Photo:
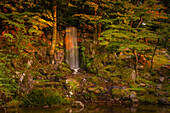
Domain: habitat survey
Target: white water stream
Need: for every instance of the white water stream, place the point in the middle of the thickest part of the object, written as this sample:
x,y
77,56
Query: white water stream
x,y
72,57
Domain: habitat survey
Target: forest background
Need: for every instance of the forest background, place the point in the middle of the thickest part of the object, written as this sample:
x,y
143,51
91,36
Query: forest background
x,y
115,37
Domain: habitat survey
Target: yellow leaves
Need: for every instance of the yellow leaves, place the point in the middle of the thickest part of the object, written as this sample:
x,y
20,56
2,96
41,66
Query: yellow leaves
x,y
48,14
71,5
119,14
92,4
88,17
46,22
35,27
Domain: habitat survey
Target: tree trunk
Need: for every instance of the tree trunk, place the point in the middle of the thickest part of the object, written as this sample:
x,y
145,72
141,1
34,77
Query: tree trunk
x,y
153,55
95,27
54,38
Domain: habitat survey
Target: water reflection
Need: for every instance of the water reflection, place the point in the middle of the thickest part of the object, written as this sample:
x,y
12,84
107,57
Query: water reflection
x,y
91,109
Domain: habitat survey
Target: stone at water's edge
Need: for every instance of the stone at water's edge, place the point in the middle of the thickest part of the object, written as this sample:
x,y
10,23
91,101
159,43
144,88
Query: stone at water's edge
x,y
77,104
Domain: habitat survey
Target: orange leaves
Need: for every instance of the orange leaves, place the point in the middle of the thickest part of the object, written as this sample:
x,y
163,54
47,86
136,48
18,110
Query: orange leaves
x,y
156,14
144,61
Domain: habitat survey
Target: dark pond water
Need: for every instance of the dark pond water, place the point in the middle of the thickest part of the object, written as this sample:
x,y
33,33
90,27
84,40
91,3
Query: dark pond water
x,y
92,109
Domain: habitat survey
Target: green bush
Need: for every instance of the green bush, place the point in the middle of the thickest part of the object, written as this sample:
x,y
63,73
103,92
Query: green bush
x,y
8,85
43,97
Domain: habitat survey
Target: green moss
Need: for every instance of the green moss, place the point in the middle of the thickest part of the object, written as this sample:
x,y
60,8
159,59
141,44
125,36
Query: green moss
x,y
168,99
93,96
41,97
104,73
133,85
73,84
94,80
86,96
160,60
115,79
97,65
141,80
126,75
139,91
110,68
149,99
13,103
118,92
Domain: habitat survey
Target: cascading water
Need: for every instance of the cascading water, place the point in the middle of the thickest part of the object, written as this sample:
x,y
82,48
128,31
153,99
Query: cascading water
x,y
72,48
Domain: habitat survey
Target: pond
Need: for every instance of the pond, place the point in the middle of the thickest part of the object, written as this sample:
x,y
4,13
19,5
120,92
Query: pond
x,y
92,109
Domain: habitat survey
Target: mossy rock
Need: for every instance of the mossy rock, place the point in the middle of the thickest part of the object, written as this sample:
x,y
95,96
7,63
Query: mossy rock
x,y
94,90
126,75
149,99
66,69
94,80
118,92
104,73
72,84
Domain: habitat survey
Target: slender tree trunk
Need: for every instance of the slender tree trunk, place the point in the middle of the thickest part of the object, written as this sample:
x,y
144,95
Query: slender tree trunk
x,y
153,55
95,27
136,62
54,38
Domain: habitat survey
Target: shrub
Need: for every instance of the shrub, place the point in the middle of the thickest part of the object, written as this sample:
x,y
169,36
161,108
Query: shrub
x,y
43,97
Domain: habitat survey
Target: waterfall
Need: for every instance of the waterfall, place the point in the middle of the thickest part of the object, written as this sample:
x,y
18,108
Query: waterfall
x,y
72,48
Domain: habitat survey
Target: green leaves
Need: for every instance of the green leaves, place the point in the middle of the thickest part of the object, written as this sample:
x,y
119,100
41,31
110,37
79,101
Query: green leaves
x,y
123,23
8,84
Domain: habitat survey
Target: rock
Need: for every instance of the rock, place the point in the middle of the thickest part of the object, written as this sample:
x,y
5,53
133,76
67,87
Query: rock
x,y
118,93
94,89
146,76
162,79
77,104
133,75
162,93
22,77
159,86
133,97
83,80
142,84
29,63
128,57
168,56
163,101
116,99
85,92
